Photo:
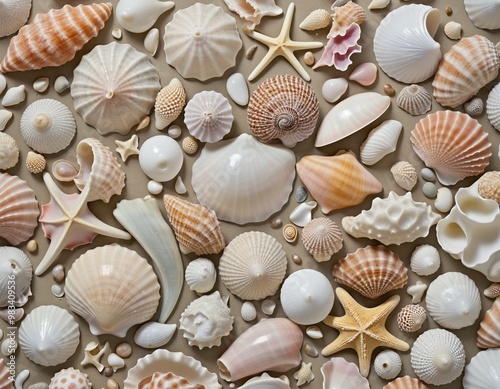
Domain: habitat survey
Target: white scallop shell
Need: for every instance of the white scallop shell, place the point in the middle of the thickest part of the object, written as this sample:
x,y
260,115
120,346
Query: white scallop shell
x,y
403,43
153,334
9,152
201,275
265,381
425,260
493,107
414,99
482,370
382,140
453,300
484,13
340,374
49,335
387,364
13,15
14,263
4,118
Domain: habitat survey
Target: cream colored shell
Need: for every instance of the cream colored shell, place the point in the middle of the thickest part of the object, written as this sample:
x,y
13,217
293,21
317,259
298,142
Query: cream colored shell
x,y
316,20
382,140
493,107
13,14
201,275
322,238
9,152
405,175
488,186
484,13
14,263
253,10
169,103
425,260
453,30
35,163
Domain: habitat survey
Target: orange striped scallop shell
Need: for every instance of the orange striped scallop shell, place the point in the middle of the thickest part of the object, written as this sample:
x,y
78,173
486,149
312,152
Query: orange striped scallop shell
x,y
405,382
488,335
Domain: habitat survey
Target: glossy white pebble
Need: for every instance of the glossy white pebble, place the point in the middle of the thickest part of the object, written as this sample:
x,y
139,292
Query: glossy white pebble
x,y
444,200
174,131
14,96
3,83
9,346
140,16
314,332
248,311
268,306
161,158
41,84
152,40
116,33
334,88
115,361
21,379
179,187
154,187
237,89
61,84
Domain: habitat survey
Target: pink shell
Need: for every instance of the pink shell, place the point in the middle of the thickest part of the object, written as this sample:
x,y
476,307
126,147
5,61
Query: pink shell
x,y
5,382
364,74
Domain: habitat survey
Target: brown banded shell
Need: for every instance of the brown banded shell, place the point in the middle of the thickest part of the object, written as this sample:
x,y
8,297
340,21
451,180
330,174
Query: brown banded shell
x,y
169,103
488,335
283,107
414,99
489,186
411,318
405,382
322,238
290,233
35,163
9,152
344,16
371,271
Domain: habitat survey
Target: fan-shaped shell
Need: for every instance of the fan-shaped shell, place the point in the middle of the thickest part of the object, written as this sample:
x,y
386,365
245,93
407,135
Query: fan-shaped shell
x,y
201,275
169,103
453,300
208,116
68,29
113,288
469,65
253,265
488,335
322,238
414,99
425,260
405,382
387,364
9,152
346,15
382,140
49,335
488,186
437,357
47,126
13,15
242,179
283,107
18,209
453,144
202,41
70,379
114,87
482,371
196,227
14,263
484,13
371,271
340,374
404,46
493,107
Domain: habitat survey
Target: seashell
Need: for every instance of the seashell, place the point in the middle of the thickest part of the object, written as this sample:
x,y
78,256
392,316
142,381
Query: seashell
x,y
124,349
234,188
252,11
416,291
49,335
169,103
492,291
302,214
314,332
21,378
425,260
351,115
265,381
128,147
340,374
160,158
364,74
307,297
146,120
113,288
411,318
483,13
61,84
474,106
196,227
253,265
493,107
414,99
4,118
4,315
201,41
180,187
152,40
387,364
14,95
41,84
378,4
453,30
57,290
68,29
115,362
93,354
14,14
9,152
208,116
18,209
189,145
310,350
271,345
47,126
334,88
201,275
136,17
166,381
304,374
336,182
488,335
14,264
453,300
116,33
290,233
70,379
468,66
114,87
453,144
405,175
437,357
64,170
344,16
322,238
248,311
3,83
283,107
154,335
316,20
382,140
237,89
267,307
32,246
5,382
488,186
35,163
371,271
405,382
482,371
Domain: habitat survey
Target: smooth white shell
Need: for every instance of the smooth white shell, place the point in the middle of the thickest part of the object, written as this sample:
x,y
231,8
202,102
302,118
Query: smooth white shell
x,y
41,84
484,13
61,84
302,213
201,275
153,334
483,370
3,82
382,140
416,291
180,187
115,362
364,74
334,88
237,89
154,187
425,260
444,200
14,96
161,158
140,16
152,40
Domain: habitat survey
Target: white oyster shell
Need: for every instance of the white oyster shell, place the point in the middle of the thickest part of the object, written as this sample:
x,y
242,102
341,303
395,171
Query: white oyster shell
x,y
484,13
482,371
382,140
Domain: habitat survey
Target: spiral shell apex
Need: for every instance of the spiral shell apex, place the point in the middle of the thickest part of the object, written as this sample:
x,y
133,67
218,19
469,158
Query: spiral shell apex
x,y
322,238
169,103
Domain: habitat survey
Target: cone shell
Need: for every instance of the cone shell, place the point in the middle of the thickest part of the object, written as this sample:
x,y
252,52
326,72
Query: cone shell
x,y
414,99
344,16
371,271
13,15
488,186
322,238
68,29
167,381
336,182
253,265
9,152
488,335
411,318
466,67
283,107
113,288
405,175
493,107
317,19
169,103
70,379
453,144
405,382
18,209
5,382
196,227
14,263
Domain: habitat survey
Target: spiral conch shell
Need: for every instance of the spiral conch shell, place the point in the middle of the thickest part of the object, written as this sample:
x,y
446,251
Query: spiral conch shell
x,y
169,103
68,29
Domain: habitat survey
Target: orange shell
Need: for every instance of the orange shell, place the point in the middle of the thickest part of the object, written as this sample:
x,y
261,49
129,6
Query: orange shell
x,y
344,16
488,186
405,382
166,381
488,335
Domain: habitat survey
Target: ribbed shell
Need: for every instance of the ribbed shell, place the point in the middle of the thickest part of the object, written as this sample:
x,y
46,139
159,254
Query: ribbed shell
x,y
317,19
201,275
482,371
405,175
68,29
196,227
283,107
411,318
405,382
414,99
114,87
453,144
13,262
453,30
5,382
35,163
169,103
167,381
484,13
371,271
253,265
13,15
493,107
488,335
9,152
425,260
466,67
474,106
18,209
488,186
381,141
70,379
340,374
387,364
344,16
322,238
47,126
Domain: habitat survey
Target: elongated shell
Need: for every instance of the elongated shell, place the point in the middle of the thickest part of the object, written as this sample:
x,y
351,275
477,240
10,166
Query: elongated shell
x,y
169,103
9,152
405,382
317,19
425,260
482,371
14,264
13,15
493,107
265,381
322,238
382,140
340,374
414,99
484,13
68,29
488,335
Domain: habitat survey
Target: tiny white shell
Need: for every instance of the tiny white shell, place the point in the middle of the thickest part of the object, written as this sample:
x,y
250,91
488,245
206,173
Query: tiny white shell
x,y
115,362
57,290
444,200
154,187
382,140
152,40
61,84
416,291
248,311
14,96
116,33
334,88
378,4
314,332
4,118
268,306
453,30
154,335
237,89
41,84
179,186
201,275
425,260
302,213
387,364
3,83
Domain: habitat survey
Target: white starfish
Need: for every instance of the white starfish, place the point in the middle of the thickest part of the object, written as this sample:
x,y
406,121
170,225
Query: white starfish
x,y
282,45
128,147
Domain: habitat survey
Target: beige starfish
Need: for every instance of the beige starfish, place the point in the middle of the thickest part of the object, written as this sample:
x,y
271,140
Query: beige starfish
x,y
128,147
363,329
282,45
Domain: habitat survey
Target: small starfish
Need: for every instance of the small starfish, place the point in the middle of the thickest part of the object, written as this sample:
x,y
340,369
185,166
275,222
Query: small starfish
x,y
363,329
281,45
304,374
127,148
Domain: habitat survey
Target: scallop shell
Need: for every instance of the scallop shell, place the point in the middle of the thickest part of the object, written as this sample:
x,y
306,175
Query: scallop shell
x,y
405,382
414,99
404,46
453,144
113,288
70,379
453,30
488,335
153,334
47,126
14,263
236,188
316,20
437,357
5,381
382,140
482,371
201,275
484,13
35,163
371,271
411,318
405,175
18,209
13,15
167,381
340,374
49,335
114,87
336,182
9,152
488,186
208,116
68,29
346,15
169,103
322,238
253,10
5,116
465,69
453,300
425,260
265,381
253,265
196,227
493,107
387,364
201,41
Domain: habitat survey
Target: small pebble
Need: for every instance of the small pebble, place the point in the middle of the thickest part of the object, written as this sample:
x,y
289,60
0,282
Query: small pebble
x,y
58,273
296,258
250,52
276,223
448,11
61,84
189,145
179,187
427,174
108,371
117,33
32,246
300,194
310,350
57,290
41,84
309,58
174,131
112,384
444,200
123,350
232,385
154,187
429,190
389,90
314,332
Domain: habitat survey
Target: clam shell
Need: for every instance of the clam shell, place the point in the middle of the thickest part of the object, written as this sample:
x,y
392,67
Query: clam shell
x,y
70,379
425,260
316,20
113,288
453,30
9,152
453,144
382,140
405,175
13,15
340,374
493,107
482,371
387,364
253,10
411,318
169,103
5,382
14,263
405,382
201,275
322,238
414,99
484,13
253,265
488,186
154,335
488,335
372,271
